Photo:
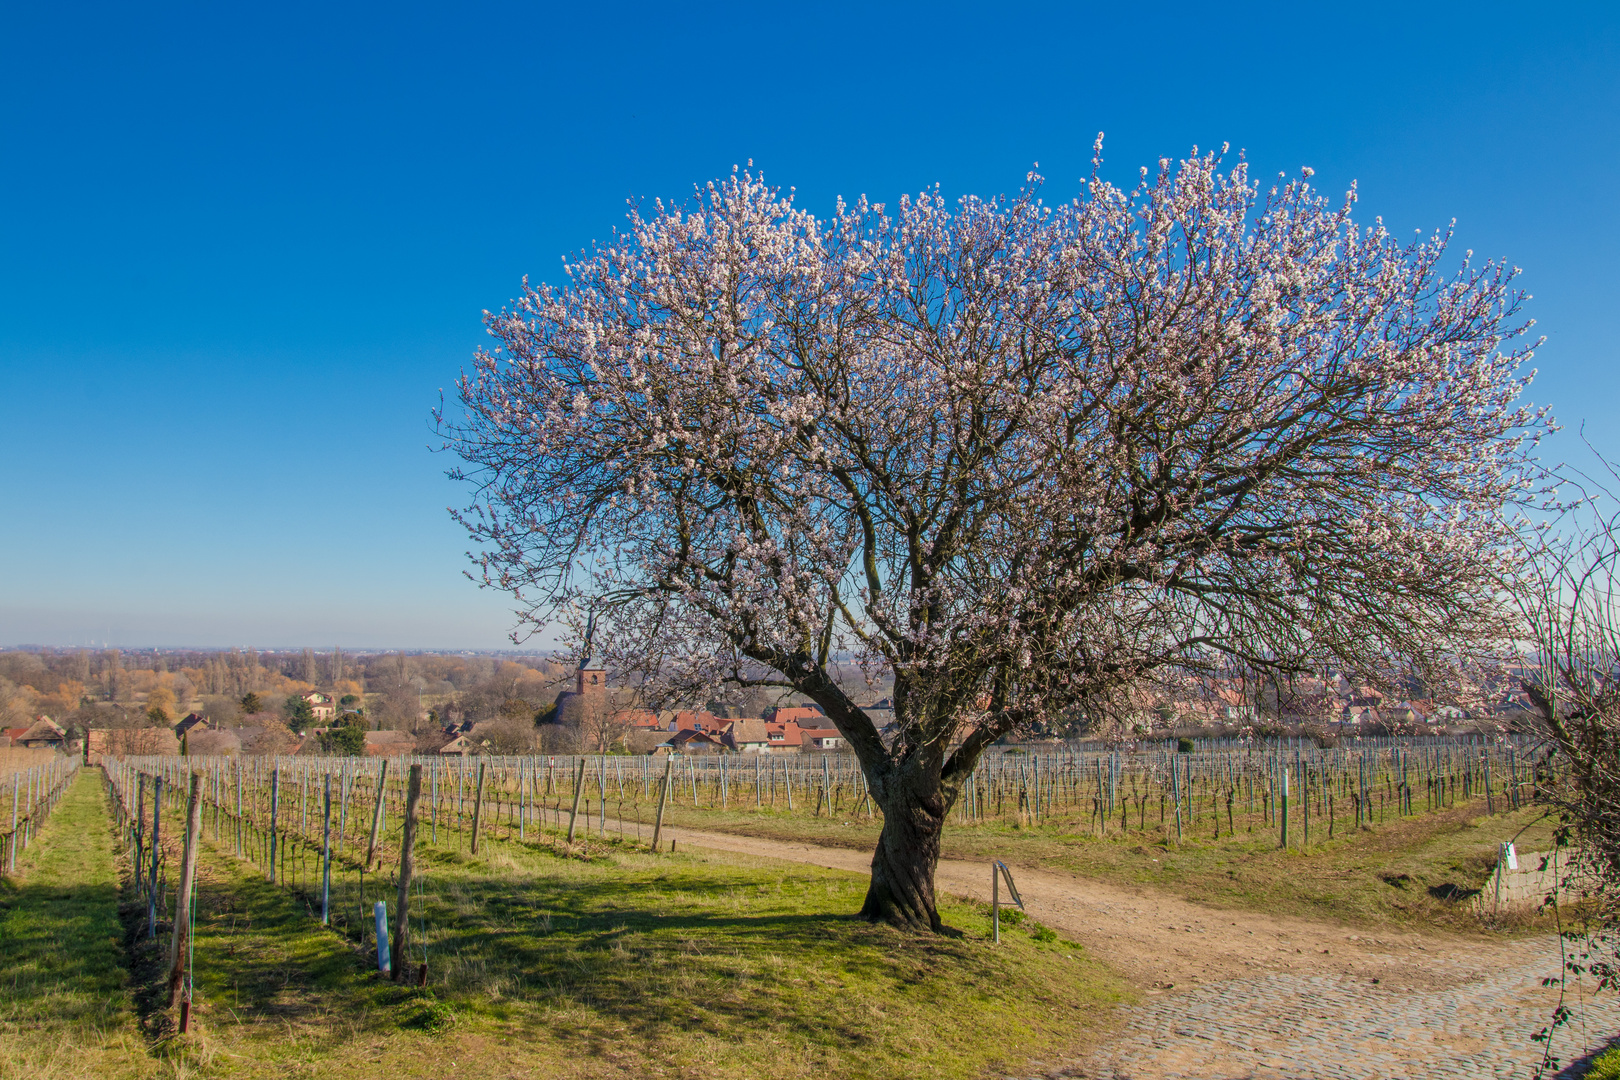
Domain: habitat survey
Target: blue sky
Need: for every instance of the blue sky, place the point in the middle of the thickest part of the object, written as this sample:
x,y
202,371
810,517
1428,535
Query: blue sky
x,y
243,247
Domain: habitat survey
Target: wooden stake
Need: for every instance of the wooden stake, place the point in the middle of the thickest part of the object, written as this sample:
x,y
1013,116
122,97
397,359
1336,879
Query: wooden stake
x,y
182,906
151,878
663,797
275,811
326,856
579,789
478,807
407,867
1284,809
376,815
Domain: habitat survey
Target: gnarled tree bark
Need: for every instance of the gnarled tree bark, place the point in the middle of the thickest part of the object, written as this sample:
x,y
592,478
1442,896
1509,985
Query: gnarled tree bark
x,y
902,888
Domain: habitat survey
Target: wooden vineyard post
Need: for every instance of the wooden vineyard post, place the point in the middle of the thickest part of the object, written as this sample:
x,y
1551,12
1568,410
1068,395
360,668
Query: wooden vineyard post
x,y
663,797
1285,809
579,789
345,786
1305,805
478,807
151,879
326,856
275,811
407,867
11,840
181,938
376,816
1175,793
140,827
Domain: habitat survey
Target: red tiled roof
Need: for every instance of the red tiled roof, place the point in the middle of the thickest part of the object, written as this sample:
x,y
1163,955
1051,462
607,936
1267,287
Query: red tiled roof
x,y
795,714
783,735
702,720
690,735
638,718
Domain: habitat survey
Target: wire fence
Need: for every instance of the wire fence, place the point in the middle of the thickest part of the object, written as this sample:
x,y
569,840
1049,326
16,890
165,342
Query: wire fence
x,y
270,808
33,793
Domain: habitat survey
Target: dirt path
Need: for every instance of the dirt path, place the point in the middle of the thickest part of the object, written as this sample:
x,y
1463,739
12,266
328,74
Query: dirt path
x,y
1245,994
1157,940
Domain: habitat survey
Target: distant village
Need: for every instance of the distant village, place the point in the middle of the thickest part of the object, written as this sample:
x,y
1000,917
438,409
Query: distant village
x,y
392,704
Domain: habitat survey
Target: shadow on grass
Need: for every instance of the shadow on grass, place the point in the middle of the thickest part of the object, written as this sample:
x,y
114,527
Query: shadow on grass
x,y
631,960
262,954
673,947
59,952
641,963
60,959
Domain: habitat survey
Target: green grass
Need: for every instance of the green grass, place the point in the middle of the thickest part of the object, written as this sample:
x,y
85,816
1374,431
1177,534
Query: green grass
x,y
1416,871
584,961
65,1009
602,960
1606,1066
606,961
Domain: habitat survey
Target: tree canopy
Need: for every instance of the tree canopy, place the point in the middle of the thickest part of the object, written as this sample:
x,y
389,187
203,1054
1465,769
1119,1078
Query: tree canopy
x,y
1020,455
347,737
300,714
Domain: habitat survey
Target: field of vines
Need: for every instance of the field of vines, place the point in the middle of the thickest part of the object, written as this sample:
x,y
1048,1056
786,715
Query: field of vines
x,y
324,824
486,884
483,878
30,791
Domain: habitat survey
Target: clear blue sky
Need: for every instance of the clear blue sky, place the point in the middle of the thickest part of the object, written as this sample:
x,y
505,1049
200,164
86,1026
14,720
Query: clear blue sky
x,y
243,246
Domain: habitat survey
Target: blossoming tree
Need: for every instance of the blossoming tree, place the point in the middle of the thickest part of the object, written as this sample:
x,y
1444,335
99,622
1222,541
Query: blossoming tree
x,y
1017,455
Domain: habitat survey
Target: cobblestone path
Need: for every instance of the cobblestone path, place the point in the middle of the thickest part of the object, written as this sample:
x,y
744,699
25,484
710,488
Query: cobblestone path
x,y
1474,1018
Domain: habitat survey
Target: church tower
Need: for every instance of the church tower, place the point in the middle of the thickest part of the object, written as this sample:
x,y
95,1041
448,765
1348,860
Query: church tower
x,y
591,680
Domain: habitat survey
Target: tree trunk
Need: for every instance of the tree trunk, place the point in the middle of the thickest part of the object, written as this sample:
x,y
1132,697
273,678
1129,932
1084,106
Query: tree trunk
x,y
902,889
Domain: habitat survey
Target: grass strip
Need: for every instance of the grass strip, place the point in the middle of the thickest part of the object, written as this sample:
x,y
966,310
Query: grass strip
x,y
65,1010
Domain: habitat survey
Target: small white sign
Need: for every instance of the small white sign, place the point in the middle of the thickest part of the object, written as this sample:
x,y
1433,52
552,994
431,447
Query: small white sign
x,y
1510,857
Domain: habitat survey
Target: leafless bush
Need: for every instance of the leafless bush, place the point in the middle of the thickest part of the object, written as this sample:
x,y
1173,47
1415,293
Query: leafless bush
x,y
1577,694
18,758
1569,604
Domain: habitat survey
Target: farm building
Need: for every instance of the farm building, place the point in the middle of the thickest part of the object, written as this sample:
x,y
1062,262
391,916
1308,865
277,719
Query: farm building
x,y
43,734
